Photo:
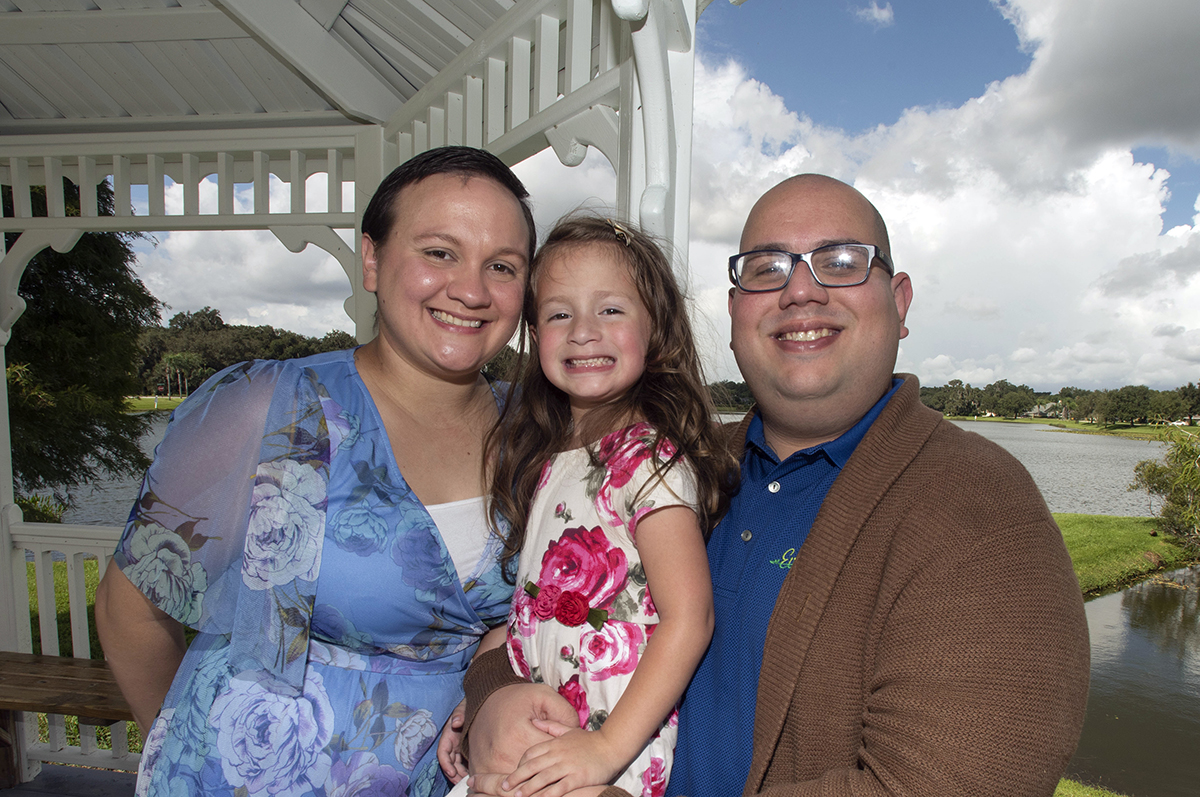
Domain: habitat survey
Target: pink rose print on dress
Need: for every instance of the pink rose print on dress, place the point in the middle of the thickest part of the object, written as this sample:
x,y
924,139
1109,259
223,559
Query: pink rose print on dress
x,y
516,657
654,779
545,476
575,695
521,617
613,650
546,600
621,452
584,561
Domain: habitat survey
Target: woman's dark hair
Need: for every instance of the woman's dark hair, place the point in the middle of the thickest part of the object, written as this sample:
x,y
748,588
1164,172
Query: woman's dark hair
x,y
670,394
380,214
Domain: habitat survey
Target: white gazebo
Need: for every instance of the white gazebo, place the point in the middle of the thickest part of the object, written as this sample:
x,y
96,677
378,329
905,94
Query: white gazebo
x,y
150,93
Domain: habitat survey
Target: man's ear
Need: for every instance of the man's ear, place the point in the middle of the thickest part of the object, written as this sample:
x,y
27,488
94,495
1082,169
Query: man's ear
x,y
370,264
902,293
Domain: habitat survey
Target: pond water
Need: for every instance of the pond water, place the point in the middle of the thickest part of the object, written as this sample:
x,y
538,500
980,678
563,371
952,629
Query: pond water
x,y
1142,732
1086,473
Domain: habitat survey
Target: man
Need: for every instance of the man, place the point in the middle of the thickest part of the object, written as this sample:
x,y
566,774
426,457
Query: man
x,y
896,612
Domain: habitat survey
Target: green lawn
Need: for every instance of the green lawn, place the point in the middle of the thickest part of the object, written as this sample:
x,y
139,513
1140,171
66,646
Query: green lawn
x,y
1110,552
1132,431
143,403
1069,788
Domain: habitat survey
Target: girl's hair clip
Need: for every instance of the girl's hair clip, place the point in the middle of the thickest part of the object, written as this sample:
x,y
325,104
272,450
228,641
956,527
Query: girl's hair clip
x,y
621,233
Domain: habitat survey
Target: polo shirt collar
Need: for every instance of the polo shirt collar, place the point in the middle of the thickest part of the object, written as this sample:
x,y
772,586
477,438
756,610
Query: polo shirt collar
x,y
838,450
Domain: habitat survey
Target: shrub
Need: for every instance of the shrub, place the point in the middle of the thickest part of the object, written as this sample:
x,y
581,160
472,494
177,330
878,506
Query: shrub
x,y
1176,481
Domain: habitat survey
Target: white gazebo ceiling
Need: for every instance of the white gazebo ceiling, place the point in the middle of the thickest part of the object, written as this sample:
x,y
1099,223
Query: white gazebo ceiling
x,y
111,65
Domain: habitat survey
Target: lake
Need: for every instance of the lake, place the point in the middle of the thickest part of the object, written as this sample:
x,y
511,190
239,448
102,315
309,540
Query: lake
x,y
1085,473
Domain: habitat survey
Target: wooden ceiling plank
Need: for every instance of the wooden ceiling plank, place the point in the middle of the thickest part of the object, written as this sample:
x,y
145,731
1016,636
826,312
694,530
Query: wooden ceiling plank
x,y
404,74
141,75
96,27
220,84
182,83
323,59
40,70
290,90
262,93
132,103
408,62
437,42
466,15
22,99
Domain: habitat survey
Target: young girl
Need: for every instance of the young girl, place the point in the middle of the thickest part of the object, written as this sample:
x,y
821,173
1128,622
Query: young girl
x,y
613,475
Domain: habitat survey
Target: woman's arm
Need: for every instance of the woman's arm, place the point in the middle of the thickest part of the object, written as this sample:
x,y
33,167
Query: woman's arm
x,y
672,551
142,643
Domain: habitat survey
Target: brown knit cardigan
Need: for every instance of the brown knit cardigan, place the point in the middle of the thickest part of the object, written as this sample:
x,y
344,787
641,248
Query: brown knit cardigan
x,y
930,637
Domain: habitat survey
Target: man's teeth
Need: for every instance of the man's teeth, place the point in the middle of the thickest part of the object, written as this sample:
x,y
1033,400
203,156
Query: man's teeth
x,y
591,362
812,334
446,318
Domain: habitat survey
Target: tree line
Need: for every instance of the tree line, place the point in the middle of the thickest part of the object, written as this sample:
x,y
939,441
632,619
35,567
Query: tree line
x,y
177,358
1130,404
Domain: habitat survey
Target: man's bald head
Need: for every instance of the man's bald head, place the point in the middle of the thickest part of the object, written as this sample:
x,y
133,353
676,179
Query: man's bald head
x,y
823,183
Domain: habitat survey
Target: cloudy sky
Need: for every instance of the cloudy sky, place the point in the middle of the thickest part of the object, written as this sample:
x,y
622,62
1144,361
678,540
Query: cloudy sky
x,y
1037,161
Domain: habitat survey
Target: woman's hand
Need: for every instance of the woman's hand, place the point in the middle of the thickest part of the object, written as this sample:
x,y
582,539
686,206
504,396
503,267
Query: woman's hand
x,y
449,750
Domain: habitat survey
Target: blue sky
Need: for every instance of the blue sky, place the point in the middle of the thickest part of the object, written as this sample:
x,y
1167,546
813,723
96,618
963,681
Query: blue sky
x,y
1036,161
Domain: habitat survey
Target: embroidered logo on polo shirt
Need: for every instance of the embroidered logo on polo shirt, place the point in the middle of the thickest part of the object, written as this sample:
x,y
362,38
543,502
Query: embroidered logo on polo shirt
x,y
784,562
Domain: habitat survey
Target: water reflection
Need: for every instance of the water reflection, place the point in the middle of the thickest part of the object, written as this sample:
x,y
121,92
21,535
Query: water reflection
x,y
1143,720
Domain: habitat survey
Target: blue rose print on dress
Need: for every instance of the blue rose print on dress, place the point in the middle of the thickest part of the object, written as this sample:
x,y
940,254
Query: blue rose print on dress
x,y
260,531
333,625
160,567
359,529
413,737
418,551
269,737
152,750
283,538
361,775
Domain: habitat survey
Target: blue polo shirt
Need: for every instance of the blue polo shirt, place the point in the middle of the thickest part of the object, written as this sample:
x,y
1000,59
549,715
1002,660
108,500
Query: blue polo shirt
x,y
750,553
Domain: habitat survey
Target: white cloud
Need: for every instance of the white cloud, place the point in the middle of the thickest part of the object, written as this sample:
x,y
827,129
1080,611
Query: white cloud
x,y
876,16
1033,237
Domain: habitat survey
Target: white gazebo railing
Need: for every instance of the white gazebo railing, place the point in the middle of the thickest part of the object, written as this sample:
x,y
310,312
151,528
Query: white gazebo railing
x,y
45,544
532,74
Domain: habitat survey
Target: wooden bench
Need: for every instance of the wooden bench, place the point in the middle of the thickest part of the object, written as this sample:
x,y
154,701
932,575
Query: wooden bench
x,y
54,685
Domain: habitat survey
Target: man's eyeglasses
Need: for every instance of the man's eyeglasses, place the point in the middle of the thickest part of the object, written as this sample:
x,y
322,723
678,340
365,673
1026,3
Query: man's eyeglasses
x,y
835,266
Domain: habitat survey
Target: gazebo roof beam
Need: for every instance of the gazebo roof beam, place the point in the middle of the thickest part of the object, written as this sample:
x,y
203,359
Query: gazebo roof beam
x,y
113,27
320,57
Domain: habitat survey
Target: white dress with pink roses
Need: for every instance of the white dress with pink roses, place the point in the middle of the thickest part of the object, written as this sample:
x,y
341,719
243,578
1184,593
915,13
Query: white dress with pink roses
x,y
582,615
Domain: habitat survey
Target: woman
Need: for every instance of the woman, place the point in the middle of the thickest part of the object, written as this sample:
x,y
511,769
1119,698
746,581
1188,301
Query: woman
x,y
320,522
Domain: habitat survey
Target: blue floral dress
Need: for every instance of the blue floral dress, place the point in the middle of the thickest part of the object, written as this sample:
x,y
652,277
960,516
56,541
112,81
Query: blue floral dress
x,y
333,628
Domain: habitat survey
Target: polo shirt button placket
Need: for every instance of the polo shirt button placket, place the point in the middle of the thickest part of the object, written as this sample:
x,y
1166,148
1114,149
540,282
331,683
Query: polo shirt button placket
x,y
773,487
746,535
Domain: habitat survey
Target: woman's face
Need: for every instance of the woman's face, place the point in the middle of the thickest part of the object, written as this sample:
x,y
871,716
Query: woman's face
x,y
450,278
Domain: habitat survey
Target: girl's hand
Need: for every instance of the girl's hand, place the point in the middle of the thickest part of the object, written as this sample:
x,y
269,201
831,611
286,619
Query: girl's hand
x,y
574,760
449,751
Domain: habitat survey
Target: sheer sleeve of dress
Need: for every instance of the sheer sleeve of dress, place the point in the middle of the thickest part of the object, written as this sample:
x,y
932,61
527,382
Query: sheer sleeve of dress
x,y
226,533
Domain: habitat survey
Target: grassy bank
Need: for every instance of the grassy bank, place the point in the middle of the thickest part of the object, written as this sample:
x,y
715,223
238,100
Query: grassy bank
x,y
1128,430
1069,788
144,403
1111,552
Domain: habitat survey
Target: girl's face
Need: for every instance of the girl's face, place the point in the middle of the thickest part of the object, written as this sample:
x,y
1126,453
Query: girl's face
x,y
592,329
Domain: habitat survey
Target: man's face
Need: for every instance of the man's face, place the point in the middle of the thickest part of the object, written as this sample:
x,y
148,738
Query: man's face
x,y
833,349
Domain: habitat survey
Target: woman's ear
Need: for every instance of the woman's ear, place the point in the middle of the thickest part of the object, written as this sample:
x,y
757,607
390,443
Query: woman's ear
x,y
370,264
